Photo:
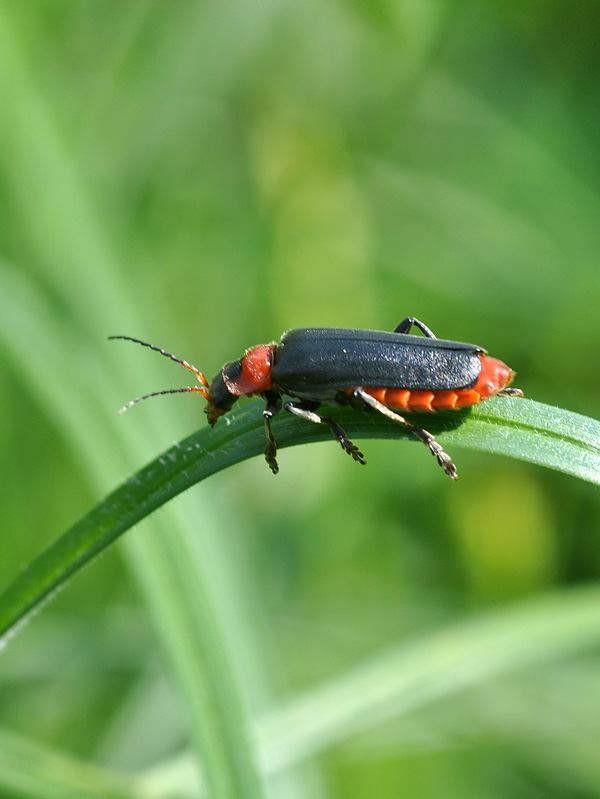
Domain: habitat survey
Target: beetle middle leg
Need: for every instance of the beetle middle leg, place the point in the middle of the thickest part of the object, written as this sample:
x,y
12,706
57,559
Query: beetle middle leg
x,y
423,435
299,409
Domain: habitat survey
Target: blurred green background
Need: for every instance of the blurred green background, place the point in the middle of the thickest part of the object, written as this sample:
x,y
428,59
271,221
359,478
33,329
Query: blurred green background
x,y
205,175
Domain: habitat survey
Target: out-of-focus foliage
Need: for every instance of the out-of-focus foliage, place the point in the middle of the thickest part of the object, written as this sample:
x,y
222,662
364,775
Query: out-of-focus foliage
x,y
204,176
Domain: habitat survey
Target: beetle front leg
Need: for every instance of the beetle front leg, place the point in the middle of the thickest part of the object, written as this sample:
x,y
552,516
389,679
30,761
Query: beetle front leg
x,y
273,407
338,432
423,435
406,325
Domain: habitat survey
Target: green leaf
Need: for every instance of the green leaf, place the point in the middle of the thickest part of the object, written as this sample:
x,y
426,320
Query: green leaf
x,y
523,429
534,432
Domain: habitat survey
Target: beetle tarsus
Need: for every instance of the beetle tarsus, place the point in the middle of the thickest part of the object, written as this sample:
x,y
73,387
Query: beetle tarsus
x,y
271,447
340,435
449,468
338,432
270,452
436,450
511,392
445,462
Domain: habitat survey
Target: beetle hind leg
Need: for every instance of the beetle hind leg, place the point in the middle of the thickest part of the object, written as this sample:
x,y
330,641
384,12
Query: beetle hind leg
x,y
338,432
406,325
436,449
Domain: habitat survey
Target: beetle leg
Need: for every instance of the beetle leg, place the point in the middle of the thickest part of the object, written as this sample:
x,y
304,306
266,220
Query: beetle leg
x,y
511,392
273,407
407,324
338,433
442,457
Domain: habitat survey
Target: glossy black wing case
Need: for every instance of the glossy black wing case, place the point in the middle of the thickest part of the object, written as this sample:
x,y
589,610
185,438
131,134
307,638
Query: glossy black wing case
x,y
319,359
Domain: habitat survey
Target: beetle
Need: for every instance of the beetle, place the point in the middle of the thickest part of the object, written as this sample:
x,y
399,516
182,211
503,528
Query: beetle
x,y
366,369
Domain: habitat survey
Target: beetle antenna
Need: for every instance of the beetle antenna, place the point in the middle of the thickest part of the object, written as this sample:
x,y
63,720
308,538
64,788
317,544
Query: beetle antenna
x,y
193,389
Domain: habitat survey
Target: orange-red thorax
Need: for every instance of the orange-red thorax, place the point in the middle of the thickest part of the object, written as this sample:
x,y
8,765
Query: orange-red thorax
x,y
256,364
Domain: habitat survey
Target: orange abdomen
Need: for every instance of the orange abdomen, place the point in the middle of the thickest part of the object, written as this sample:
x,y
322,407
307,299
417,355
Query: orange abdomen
x,y
494,376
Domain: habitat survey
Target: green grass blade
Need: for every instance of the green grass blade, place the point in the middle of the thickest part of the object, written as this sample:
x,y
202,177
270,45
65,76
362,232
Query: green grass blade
x,y
532,431
416,673
523,429
425,670
35,771
176,589
391,685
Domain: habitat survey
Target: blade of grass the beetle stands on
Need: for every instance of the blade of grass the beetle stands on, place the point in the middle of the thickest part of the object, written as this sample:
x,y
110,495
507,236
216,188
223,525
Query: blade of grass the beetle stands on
x,y
524,429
